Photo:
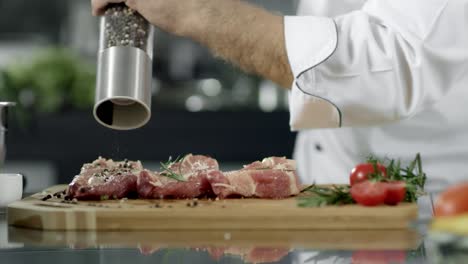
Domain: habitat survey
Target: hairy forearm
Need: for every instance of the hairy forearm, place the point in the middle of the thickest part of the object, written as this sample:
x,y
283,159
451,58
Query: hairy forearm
x,y
245,35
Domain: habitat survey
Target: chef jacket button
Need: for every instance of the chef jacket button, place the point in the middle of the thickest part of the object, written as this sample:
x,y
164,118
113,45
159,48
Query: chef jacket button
x,y
318,147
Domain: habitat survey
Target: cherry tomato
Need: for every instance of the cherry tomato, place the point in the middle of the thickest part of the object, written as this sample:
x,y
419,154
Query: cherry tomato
x,y
369,193
452,201
361,171
396,192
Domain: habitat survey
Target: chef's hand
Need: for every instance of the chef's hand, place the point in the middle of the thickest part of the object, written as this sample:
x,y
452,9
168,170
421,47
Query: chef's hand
x,y
241,33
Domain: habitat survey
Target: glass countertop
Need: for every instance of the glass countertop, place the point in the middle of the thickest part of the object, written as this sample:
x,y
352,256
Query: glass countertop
x,y
414,245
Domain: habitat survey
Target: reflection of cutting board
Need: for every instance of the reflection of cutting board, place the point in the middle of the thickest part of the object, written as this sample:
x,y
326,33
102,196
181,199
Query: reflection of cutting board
x,y
232,214
401,239
457,225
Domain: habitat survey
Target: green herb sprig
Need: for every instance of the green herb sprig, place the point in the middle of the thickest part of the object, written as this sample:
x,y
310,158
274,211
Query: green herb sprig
x,y
323,196
168,172
413,175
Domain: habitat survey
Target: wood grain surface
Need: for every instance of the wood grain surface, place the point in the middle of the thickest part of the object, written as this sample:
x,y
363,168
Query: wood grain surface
x,y
229,214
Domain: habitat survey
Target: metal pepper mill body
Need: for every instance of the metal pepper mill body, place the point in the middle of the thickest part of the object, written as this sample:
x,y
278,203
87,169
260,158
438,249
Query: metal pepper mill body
x,y
4,107
124,73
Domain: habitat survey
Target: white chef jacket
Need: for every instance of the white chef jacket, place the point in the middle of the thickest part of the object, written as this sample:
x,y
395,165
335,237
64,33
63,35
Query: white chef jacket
x,y
389,79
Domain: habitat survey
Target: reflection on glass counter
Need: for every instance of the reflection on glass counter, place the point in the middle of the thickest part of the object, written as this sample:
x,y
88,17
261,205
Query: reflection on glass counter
x,y
232,246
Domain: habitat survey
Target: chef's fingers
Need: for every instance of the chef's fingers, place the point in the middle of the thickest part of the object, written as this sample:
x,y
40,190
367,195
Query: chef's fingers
x,y
98,6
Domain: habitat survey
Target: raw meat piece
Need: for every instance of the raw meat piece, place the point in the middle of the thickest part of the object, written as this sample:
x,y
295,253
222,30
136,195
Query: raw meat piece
x,y
105,179
193,168
279,163
272,178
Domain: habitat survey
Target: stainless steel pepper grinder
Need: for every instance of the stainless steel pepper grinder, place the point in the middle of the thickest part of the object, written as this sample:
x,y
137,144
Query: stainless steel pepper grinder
x,y
4,107
124,74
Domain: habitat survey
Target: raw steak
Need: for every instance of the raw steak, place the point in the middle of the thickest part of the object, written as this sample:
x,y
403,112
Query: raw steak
x,y
273,177
192,168
105,179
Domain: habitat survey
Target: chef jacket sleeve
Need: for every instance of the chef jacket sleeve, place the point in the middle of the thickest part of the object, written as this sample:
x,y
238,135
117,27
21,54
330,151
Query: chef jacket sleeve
x,y
380,64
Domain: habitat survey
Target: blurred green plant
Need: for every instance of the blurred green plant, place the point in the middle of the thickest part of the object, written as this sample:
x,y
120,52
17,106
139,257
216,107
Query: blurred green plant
x,y
53,80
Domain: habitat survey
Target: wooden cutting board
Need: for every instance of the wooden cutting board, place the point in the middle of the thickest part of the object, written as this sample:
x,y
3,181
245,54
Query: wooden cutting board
x,y
230,214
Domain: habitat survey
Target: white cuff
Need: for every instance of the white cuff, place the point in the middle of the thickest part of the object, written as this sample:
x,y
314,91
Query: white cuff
x,y
308,111
309,42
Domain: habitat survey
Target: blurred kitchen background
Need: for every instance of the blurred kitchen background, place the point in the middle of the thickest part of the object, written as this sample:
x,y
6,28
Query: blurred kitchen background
x,y
201,104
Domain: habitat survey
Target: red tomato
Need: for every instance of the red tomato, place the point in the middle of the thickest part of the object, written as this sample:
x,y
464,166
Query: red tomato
x,y
369,193
396,192
452,201
361,171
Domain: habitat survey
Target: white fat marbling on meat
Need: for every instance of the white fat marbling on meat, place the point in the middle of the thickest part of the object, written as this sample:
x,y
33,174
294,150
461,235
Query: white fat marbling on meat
x,y
243,183
156,183
268,162
227,186
292,182
93,181
198,166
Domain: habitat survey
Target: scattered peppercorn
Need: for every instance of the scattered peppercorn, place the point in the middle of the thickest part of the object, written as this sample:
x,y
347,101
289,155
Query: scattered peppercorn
x,y
47,197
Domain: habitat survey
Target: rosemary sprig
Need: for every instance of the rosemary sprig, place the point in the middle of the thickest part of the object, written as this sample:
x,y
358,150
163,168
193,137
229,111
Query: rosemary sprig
x,y
323,196
413,175
168,172
308,188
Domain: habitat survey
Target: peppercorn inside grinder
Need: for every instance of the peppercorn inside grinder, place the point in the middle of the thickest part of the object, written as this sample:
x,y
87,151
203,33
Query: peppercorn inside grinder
x,y
124,74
